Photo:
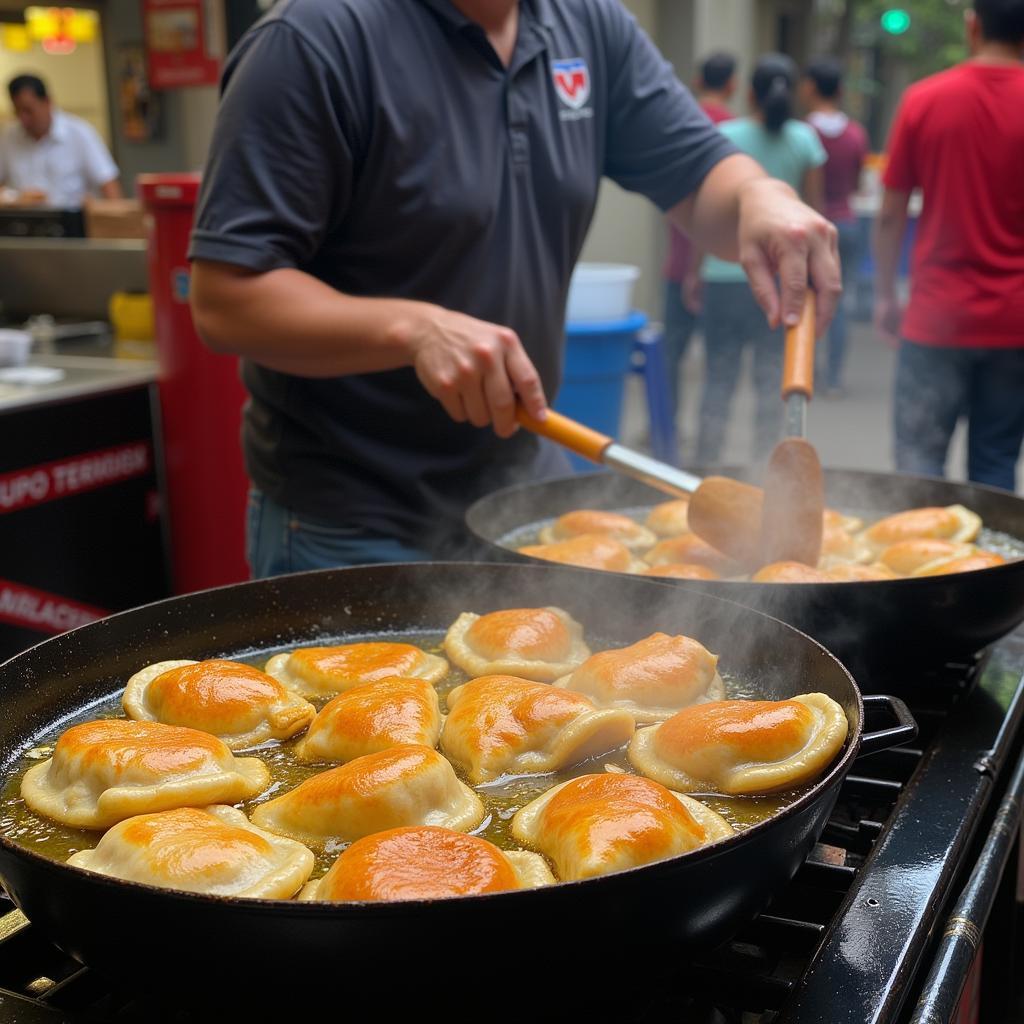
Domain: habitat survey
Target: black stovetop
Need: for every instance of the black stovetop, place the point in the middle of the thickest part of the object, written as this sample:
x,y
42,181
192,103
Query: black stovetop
x,y
848,941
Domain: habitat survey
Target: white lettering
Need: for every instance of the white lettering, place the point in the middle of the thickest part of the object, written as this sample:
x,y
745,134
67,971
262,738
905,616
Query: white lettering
x,y
16,490
53,616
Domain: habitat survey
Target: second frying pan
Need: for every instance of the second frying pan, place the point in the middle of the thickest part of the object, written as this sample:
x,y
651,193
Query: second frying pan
x,y
880,630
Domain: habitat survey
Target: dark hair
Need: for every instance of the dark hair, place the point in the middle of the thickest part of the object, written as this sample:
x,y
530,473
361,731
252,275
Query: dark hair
x,y
827,75
32,82
1002,21
772,82
717,69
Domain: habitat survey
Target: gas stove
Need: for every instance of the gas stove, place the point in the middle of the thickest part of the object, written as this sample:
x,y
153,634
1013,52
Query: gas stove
x,y
904,912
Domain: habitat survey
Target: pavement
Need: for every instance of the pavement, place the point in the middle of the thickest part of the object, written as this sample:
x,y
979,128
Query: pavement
x,y
852,431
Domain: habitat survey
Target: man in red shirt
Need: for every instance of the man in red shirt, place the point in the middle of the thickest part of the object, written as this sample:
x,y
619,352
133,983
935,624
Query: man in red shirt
x,y
959,136
846,144
714,88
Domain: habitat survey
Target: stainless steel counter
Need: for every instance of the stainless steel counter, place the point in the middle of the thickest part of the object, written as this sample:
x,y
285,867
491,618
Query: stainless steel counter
x,y
70,377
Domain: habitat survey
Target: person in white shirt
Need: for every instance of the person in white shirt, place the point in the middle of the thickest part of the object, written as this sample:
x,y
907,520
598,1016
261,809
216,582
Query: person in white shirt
x,y
50,157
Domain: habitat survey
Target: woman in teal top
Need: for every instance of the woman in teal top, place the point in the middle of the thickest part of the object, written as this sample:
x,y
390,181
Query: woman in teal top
x,y
790,150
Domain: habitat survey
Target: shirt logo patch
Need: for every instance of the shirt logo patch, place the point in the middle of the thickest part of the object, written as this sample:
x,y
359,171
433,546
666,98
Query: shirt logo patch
x,y
572,81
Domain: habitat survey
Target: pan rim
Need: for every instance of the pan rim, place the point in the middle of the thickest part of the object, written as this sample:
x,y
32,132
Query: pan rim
x,y
326,909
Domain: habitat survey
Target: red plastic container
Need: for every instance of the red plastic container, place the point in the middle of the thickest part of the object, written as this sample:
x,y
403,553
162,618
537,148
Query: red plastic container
x,y
201,398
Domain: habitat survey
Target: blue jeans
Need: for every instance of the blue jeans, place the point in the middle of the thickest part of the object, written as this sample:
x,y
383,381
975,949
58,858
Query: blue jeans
x,y
850,254
679,325
279,541
936,386
733,320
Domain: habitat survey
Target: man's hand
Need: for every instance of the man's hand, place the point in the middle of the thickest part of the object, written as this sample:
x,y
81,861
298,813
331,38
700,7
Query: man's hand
x,y
739,213
475,369
888,315
780,235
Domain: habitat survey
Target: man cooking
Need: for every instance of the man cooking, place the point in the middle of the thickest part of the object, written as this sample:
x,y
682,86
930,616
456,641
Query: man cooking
x,y
396,194
51,157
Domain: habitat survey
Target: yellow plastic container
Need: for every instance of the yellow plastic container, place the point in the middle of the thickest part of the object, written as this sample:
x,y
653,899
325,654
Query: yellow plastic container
x,y
131,314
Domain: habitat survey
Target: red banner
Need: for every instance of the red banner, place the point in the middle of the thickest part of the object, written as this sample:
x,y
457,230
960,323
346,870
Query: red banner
x,y
49,481
184,43
42,611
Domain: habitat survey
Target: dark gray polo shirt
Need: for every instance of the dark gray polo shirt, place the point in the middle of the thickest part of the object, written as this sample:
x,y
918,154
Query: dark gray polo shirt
x,y
381,146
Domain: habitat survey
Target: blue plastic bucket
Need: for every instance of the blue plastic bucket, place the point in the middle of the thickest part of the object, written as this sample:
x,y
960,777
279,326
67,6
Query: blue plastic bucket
x,y
597,362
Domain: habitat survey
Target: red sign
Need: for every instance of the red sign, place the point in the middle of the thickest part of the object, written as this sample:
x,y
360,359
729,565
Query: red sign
x,y
184,42
42,611
34,485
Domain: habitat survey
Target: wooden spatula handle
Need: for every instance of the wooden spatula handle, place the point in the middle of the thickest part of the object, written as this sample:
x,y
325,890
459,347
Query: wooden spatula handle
x,y
798,367
566,432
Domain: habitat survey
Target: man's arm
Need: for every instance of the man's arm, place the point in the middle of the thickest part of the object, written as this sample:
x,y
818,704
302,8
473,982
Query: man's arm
x,y
112,190
742,215
890,226
288,320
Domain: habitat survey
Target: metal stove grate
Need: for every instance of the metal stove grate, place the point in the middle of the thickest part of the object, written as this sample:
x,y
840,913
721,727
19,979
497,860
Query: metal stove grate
x,y
783,967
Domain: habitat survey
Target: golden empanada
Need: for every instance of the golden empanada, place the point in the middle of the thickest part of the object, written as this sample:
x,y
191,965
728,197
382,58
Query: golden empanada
x,y
532,643
236,703
589,551
954,523
689,549
790,572
742,747
669,519
855,573
373,717
211,850
425,863
103,772
325,671
912,557
500,725
597,824
406,785
969,563
651,679
682,571
594,521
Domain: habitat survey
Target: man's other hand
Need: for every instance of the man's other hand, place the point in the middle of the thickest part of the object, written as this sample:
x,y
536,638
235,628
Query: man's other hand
x,y
780,236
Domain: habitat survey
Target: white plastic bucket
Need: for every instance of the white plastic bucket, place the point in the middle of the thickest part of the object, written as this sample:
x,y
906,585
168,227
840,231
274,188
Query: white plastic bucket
x,y
14,347
601,291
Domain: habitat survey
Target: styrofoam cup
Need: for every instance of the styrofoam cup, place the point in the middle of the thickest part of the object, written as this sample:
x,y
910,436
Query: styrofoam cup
x,y
601,291
14,347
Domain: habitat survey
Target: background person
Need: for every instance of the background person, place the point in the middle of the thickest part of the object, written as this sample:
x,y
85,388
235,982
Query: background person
x,y
715,86
51,156
959,136
846,145
790,151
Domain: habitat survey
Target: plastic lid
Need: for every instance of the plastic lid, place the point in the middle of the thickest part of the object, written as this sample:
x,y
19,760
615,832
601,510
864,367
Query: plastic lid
x,y
632,324
180,188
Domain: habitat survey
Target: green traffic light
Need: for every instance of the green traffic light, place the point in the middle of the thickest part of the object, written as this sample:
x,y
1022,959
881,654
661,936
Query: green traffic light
x,y
895,21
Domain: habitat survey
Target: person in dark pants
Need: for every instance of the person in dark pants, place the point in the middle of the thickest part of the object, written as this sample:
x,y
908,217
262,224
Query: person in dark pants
x,y
395,197
846,144
959,136
789,150
716,85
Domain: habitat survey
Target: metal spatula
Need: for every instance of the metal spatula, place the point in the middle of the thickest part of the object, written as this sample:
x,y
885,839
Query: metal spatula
x,y
794,490
725,513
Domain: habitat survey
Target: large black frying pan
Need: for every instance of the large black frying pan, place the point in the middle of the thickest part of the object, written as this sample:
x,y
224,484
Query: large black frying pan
x,y
141,933
877,629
